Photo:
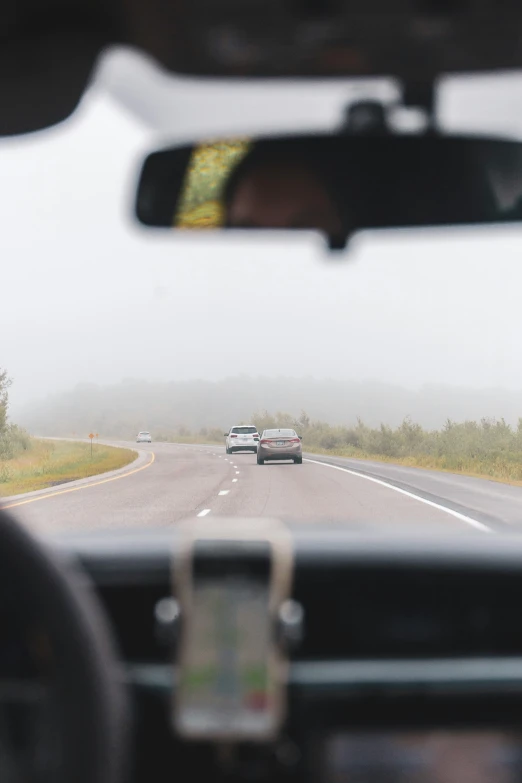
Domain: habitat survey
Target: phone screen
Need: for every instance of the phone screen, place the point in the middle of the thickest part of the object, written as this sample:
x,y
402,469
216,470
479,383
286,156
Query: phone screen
x,y
226,679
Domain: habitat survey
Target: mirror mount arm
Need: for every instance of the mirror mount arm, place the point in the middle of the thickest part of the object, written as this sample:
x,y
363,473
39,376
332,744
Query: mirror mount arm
x,y
420,95
371,117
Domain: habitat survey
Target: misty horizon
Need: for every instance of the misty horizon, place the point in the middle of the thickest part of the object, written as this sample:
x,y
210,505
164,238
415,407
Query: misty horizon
x,y
118,410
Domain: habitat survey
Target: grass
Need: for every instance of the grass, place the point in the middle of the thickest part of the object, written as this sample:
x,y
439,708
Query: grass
x,y
494,470
489,448
50,463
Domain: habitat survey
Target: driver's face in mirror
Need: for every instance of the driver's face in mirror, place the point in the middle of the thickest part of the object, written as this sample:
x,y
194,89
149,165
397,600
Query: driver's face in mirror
x,y
281,195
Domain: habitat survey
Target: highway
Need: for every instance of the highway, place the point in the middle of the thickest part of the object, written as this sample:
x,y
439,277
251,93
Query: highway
x,y
171,482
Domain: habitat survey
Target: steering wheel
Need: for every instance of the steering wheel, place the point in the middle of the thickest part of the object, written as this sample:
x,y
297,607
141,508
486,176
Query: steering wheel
x,y
92,710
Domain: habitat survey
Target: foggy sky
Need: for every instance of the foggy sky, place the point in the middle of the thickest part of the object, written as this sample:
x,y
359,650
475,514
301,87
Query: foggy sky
x,y
86,295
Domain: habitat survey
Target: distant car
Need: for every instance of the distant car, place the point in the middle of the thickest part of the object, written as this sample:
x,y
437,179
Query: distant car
x,y
143,437
280,444
243,437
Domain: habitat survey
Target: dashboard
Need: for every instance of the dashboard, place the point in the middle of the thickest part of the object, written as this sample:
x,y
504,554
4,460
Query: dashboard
x,y
409,667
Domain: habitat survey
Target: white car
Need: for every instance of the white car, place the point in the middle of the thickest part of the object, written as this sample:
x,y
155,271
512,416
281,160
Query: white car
x,y
143,437
243,437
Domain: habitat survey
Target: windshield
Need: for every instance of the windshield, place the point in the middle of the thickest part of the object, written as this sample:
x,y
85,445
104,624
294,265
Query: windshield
x,y
395,362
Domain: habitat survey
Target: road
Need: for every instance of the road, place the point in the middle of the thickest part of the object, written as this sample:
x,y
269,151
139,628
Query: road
x,y
171,482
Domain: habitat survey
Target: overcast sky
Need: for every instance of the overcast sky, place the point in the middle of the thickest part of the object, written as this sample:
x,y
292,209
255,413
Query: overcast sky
x,y
86,295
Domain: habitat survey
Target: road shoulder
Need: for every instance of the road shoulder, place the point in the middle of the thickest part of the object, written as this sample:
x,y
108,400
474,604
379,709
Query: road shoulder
x,y
141,461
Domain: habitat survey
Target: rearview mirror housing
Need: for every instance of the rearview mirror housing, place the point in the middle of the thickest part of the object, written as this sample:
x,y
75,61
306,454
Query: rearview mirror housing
x,y
337,185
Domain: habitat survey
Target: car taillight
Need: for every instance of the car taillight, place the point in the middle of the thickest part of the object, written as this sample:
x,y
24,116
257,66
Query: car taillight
x,y
294,440
233,436
264,441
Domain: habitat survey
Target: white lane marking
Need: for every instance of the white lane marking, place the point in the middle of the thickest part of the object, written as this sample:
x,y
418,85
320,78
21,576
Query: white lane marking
x,y
234,480
237,472
204,512
450,511
224,492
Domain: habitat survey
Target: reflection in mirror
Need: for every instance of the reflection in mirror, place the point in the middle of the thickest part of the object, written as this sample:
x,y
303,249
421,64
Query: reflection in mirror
x,y
336,185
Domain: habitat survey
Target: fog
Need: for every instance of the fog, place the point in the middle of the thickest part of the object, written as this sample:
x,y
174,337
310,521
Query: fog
x,y
173,408
89,297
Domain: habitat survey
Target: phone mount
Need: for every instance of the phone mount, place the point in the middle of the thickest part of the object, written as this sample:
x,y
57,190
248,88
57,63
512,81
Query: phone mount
x,y
236,625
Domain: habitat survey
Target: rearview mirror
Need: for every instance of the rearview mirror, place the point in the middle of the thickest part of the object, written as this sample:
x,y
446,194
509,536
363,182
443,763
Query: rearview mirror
x,y
336,185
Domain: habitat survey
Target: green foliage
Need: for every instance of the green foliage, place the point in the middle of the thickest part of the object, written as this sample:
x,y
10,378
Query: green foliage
x,y
489,447
13,440
489,438
5,383
50,463
200,200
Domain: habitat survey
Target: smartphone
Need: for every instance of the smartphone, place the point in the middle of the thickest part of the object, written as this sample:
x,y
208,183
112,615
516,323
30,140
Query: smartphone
x,y
230,673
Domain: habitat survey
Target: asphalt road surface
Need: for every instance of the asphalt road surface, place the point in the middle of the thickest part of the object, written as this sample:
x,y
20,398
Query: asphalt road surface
x,y
171,482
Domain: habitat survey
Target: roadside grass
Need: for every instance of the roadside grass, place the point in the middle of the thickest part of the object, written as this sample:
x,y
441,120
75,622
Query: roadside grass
x,y
51,463
503,471
489,448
